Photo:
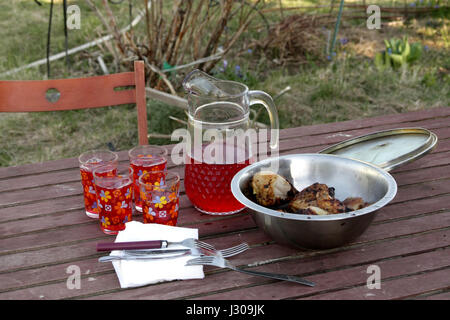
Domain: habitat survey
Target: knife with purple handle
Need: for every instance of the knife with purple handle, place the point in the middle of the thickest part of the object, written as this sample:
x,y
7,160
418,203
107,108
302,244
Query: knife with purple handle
x,y
132,245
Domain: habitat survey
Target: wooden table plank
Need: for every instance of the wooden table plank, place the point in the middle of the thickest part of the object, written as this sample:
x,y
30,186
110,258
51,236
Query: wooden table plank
x,y
395,119
401,288
71,250
441,295
224,285
326,138
44,234
349,277
370,124
55,205
12,226
90,228
60,177
71,199
315,262
403,210
47,189
375,233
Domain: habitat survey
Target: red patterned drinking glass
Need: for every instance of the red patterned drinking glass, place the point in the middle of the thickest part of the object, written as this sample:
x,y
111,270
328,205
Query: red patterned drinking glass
x,y
160,192
90,160
114,189
143,159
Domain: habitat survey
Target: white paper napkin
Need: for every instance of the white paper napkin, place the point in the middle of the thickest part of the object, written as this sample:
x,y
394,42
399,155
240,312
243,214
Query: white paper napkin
x,y
135,273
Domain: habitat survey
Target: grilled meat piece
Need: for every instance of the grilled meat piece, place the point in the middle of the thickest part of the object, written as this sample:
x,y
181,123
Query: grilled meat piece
x,y
271,189
333,206
354,203
300,203
329,203
312,210
305,198
310,193
316,196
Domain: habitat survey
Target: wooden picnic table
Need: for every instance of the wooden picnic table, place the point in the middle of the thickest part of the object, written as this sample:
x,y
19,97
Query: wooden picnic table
x,y
44,230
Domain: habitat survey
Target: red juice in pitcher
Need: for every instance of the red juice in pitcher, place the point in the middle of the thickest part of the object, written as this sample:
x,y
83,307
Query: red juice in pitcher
x,y
208,183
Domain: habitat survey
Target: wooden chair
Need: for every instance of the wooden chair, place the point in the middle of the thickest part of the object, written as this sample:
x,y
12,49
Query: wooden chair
x,y
79,93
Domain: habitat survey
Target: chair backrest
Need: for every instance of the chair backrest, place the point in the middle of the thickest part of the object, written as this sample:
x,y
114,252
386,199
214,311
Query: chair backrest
x,y
79,93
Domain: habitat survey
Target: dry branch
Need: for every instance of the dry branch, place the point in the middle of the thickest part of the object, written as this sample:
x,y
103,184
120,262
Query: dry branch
x,y
167,98
190,32
294,38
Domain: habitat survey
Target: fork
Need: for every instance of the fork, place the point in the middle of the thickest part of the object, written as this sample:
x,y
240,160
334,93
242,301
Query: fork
x,y
228,252
223,263
143,254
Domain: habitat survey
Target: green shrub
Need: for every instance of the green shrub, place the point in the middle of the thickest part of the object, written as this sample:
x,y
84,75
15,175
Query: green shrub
x,y
398,54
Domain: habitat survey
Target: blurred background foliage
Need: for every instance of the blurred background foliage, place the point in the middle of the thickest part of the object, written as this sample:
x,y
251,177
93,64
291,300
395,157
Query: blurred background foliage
x,y
283,47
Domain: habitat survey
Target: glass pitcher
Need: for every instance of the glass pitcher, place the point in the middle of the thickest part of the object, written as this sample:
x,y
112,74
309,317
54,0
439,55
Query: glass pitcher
x,y
221,139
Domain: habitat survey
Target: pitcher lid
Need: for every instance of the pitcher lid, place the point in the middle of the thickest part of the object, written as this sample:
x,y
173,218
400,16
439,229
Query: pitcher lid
x,y
200,83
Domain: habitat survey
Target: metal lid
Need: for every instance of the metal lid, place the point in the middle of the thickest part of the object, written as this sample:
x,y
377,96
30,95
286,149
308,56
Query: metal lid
x,y
387,149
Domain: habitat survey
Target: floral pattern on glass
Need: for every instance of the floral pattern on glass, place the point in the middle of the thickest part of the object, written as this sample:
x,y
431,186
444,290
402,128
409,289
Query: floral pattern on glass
x,y
88,191
161,207
140,166
115,207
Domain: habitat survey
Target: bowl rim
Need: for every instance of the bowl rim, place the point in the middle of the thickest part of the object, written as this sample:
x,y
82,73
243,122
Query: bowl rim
x,y
237,193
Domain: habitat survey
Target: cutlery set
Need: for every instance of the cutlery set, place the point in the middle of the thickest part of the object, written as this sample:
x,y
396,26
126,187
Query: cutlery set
x,y
142,254
204,254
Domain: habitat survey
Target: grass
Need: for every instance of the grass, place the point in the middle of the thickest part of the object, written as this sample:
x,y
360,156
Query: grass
x,y
351,87
37,137
348,87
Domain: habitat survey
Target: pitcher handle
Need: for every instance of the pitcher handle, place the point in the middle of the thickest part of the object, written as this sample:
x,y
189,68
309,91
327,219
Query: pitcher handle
x,y
260,97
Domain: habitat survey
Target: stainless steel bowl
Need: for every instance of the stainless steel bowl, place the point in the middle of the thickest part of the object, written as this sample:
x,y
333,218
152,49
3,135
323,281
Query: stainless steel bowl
x,y
350,178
